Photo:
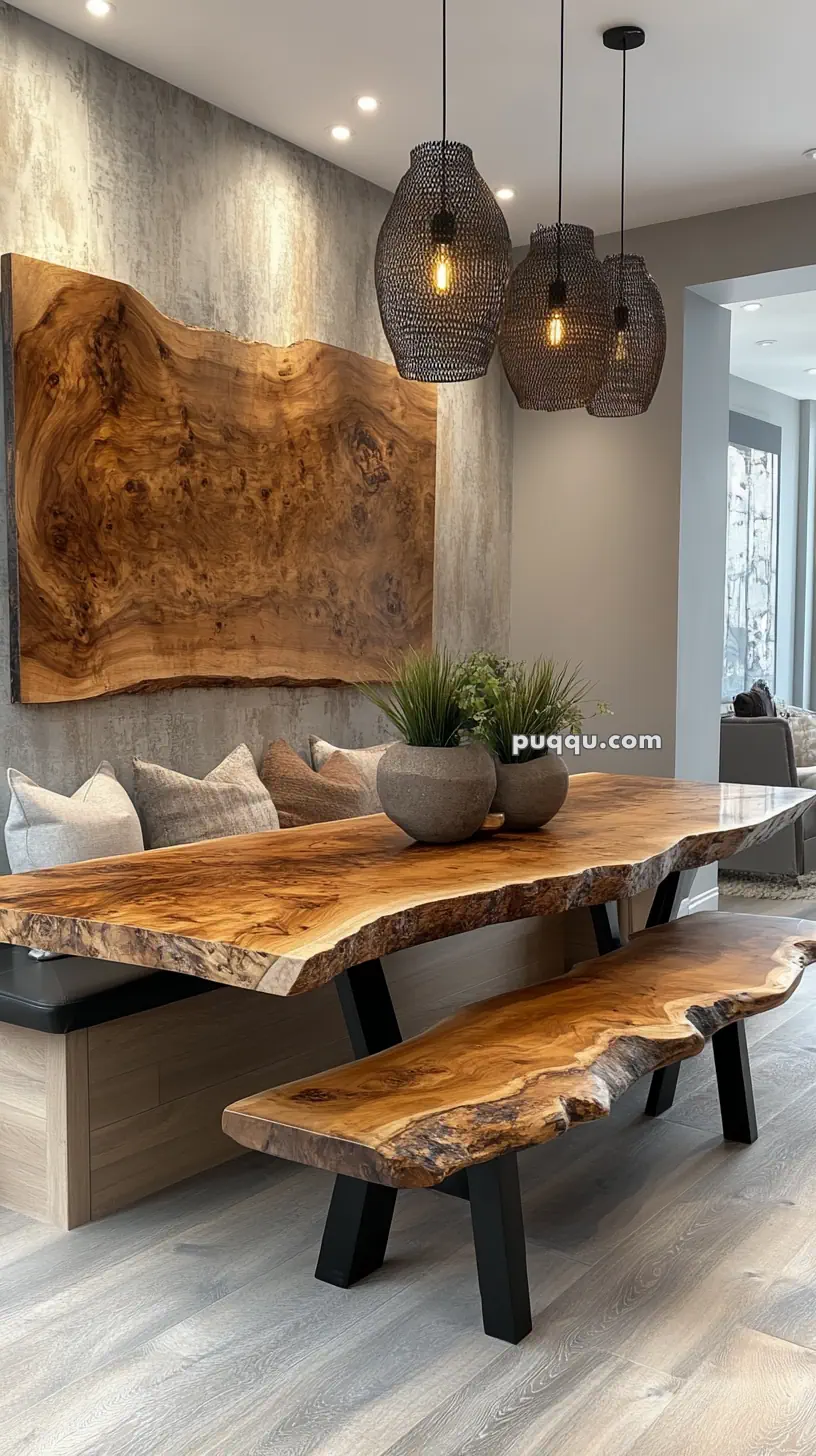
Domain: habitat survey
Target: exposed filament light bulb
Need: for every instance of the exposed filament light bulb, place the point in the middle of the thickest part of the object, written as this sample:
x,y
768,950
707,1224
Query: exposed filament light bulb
x,y
442,270
621,333
556,329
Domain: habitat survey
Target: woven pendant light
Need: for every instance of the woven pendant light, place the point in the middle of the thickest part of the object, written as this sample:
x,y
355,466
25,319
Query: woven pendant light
x,y
556,332
443,260
638,347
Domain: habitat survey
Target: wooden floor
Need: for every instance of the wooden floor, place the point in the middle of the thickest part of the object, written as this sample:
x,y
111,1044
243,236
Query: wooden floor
x,y
673,1281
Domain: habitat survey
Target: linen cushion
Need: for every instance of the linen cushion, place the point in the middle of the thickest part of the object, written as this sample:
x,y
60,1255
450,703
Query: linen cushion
x,y
803,732
177,809
365,760
45,828
304,795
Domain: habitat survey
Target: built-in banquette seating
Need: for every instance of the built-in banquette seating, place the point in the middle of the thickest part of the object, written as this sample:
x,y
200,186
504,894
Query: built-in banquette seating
x,y
113,1080
451,1108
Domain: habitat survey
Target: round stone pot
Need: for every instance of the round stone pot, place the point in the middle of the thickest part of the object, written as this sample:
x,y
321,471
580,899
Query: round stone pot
x,y
530,794
437,795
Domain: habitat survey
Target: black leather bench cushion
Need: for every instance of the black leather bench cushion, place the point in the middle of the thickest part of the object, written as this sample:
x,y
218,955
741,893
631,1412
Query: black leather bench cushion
x,y
75,992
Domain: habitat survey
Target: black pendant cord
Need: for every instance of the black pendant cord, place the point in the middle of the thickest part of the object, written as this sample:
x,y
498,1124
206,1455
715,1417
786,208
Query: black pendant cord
x,y
561,142
444,106
623,181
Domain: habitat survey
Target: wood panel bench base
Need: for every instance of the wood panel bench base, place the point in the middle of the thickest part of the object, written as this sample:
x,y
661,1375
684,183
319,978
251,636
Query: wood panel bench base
x,y
93,1120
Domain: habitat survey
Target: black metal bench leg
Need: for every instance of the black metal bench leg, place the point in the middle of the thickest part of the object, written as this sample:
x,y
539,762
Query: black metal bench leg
x,y
734,1084
501,1255
356,1233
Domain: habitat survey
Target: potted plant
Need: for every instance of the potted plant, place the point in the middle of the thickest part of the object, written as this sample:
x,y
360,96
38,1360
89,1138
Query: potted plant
x,y
435,786
507,700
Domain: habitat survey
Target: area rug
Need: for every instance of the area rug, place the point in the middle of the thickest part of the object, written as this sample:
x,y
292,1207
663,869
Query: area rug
x,y
768,887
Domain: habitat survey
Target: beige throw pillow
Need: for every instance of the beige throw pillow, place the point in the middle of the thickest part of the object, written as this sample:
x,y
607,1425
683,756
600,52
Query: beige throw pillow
x,y
803,732
304,796
177,809
364,760
45,828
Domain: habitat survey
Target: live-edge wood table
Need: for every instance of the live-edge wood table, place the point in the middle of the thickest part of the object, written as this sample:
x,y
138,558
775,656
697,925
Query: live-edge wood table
x,y
285,912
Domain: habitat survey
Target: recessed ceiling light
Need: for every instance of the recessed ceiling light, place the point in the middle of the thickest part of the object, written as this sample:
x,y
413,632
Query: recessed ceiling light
x,y
765,343
810,154
99,8
751,307
367,103
810,371
505,194
341,133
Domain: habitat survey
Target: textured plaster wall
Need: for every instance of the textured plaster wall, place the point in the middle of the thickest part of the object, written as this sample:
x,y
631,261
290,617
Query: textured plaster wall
x,y
105,168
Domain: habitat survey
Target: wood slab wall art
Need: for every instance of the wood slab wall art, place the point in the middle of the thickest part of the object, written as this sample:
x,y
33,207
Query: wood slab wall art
x,y
186,507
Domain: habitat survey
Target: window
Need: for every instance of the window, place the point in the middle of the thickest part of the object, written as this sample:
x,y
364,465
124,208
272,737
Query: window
x,y
751,554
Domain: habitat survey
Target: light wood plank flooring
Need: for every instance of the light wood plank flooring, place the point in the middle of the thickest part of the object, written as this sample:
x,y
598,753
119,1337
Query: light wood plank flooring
x,y
673,1281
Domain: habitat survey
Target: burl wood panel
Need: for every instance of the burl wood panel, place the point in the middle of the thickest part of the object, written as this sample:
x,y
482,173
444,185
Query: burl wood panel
x,y
525,1067
189,507
284,912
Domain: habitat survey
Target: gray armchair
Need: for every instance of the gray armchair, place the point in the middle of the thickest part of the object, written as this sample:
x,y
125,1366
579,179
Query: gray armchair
x,y
760,751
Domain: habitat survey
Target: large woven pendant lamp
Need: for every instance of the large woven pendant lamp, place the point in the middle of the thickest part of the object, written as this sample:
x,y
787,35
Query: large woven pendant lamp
x,y
443,261
638,346
556,333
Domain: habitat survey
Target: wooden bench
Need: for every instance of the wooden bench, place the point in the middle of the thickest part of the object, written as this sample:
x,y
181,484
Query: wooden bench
x,y
453,1106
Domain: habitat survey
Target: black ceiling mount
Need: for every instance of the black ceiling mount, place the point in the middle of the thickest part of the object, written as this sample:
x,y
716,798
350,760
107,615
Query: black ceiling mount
x,y
624,37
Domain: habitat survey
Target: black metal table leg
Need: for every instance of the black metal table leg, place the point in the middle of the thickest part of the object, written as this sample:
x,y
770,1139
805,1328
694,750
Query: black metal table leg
x,y
606,924
501,1255
662,1089
734,1083
359,1218
668,898
667,901
356,1232
368,1010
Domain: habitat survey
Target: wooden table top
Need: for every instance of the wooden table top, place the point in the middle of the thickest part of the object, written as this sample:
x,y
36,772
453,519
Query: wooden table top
x,y
285,912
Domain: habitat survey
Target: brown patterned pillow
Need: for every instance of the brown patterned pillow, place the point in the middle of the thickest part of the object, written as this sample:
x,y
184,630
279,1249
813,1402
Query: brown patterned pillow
x,y
364,760
304,796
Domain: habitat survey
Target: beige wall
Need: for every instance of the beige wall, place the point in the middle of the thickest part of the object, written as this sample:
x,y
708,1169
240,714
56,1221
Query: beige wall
x,y
597,503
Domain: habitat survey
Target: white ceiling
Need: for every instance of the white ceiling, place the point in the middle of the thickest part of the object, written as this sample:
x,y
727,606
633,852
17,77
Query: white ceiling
x,y
791,322
721,97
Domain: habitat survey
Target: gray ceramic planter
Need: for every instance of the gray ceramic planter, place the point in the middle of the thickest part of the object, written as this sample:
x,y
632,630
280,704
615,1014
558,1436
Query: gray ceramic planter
x,y
437,795
530,794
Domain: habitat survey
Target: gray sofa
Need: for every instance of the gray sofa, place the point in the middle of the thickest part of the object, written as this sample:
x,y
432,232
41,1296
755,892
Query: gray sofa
x,y
760,751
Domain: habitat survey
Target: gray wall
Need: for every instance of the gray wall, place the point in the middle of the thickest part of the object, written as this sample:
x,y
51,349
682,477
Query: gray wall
x,y
105,168
701,568
804,668
780,409
596,533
